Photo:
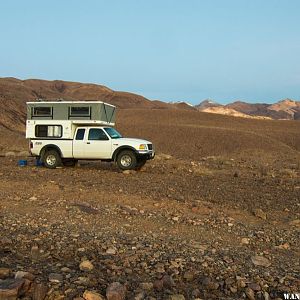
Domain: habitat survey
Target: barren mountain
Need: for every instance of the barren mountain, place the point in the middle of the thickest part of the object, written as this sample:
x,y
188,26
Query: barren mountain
x,y
223,110
248,108
288,106
285,109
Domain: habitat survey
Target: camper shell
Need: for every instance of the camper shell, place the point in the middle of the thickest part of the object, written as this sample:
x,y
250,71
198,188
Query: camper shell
x,y
65,115
99,111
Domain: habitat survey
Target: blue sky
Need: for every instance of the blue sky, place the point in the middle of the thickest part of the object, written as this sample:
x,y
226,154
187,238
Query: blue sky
x,y
168,50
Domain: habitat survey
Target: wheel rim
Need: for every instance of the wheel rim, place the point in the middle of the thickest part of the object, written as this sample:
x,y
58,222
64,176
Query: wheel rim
x,y
51,160
126,160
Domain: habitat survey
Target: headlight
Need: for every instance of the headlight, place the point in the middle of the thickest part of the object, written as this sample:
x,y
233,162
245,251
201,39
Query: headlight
x,y
143,147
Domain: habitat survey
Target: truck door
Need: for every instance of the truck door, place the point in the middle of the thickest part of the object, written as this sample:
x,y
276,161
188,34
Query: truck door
x,y
79,143
97,144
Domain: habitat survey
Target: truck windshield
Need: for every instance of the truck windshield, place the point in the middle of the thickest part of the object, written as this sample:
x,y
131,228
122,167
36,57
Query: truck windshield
x,y
113,133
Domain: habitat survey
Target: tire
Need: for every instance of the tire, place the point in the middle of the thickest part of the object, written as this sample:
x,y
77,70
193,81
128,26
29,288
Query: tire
x,y
126,160
140,163
52,159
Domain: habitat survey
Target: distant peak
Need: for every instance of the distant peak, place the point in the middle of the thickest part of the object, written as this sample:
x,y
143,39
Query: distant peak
x,y
287,100
181,102
239,102
211,101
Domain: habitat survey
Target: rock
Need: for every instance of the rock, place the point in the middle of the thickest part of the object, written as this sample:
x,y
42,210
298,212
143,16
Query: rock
x,y
126,172
33,198
5,242
91,295
295,223
189,276
10,289
164,156
65,269
245,241
260,214
35,252
111,250
254,286
25,275
86,266
177,297
260,261
241,283
167,281
140,296
158,285
5,273
116,291
266,296
82,281
196,293
250,294
55,277
146,286
284,246
39,291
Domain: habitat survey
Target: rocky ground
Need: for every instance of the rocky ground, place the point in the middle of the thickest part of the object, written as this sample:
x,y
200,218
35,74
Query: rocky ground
x,y
209,229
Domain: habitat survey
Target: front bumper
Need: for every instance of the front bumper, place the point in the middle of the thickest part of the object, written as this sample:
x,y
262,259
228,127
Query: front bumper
x,y
145,154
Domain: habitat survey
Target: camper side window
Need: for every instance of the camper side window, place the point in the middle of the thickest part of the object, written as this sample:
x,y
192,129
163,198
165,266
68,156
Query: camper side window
x,y
84,111
42,111
48,131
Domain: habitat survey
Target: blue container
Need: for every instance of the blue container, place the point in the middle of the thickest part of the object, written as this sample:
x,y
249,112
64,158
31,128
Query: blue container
x,y
22,163
39,163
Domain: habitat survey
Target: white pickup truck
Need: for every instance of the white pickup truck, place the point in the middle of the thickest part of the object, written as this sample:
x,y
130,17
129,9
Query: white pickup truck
x,y
89,142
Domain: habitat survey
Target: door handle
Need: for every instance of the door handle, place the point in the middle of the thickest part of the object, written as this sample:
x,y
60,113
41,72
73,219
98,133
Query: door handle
x,y
88,142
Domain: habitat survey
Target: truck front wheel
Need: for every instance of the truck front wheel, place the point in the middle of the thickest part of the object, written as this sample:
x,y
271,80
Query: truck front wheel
x,y
52,159
126,160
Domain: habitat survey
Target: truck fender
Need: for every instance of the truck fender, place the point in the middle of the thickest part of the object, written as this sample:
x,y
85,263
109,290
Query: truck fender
x,y
50,147
118,150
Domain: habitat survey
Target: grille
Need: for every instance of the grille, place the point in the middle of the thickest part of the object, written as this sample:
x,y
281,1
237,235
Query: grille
x,y
149,146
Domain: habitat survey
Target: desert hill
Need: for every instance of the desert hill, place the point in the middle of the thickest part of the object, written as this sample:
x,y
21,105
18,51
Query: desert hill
x,y
14,93
230,112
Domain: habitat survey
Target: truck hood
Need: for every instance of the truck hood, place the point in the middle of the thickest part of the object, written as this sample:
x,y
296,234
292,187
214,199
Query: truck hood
x,y
131,141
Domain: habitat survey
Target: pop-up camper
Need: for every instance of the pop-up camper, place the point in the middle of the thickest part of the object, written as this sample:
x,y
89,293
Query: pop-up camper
x,y
62,132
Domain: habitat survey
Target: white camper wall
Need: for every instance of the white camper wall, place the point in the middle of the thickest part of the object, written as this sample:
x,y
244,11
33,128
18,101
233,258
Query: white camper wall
x,y
67,128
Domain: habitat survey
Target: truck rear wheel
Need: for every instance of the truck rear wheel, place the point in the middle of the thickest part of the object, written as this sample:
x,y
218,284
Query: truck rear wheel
x,y
52,159
126,160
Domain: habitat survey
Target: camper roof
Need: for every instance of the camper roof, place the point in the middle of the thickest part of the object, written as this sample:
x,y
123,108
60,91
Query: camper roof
x,y
69,102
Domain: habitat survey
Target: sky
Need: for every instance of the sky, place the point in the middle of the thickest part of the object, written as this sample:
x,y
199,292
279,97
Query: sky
x,y
168,50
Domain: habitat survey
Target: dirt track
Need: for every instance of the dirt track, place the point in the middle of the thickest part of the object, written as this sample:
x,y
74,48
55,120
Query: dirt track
x,y
178,227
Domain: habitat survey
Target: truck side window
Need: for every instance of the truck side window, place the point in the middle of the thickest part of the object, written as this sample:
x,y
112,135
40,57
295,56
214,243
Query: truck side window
x,y
97,134
80,134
